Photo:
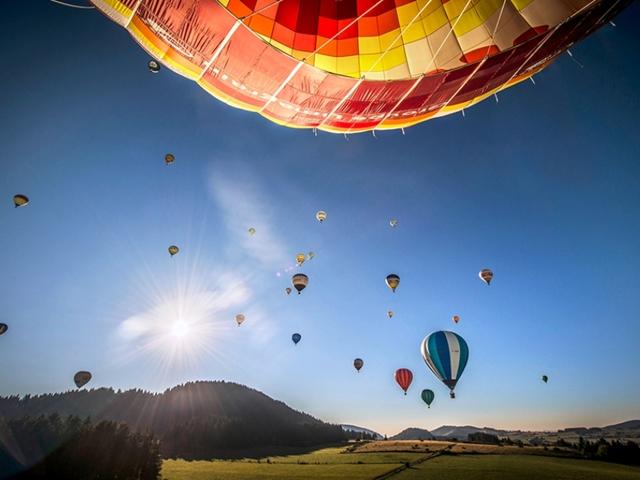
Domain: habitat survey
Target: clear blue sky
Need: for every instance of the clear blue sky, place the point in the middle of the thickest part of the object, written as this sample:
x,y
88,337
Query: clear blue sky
x,y
543,187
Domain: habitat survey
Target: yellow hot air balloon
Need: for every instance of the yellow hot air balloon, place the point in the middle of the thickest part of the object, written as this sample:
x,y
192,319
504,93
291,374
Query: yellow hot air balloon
x,y
393,281
173,250
321,216
390,313
20,200
169,158
486,275
300,258
300,282
239,319
252,231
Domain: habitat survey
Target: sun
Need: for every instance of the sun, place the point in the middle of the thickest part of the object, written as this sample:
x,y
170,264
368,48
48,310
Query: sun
x,y
180,329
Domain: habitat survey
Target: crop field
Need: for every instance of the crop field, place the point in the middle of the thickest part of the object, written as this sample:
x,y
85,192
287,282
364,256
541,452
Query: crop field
x,y
377,460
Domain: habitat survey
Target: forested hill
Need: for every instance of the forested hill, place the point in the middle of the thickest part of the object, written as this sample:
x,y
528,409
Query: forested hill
x,y
191,420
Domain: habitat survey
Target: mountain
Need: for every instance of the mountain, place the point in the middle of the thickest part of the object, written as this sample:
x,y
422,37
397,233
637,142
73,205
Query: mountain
x,y
194,420
461,433
630,425
354,428
413,434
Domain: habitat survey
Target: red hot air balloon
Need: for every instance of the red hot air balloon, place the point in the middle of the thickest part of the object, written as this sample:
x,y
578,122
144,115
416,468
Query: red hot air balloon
x,y
404,377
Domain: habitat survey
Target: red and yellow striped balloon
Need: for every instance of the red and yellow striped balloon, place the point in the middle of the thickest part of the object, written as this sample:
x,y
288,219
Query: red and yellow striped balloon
x,y
356,65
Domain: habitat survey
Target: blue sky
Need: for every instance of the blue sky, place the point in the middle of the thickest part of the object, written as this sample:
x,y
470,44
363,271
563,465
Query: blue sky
x,y
543,187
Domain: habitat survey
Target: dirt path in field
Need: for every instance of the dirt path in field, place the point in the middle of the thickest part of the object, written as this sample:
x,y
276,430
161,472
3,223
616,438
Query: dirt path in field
x,y
408,465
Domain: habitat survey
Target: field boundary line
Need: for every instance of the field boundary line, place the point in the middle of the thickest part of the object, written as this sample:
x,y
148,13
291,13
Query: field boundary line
x,y
408,465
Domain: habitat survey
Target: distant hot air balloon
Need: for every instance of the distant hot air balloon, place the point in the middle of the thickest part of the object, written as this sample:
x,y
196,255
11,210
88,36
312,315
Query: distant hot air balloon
x,y
239,319
390,313
169,158
358,363
321,216
455,318
393,222
310,255
404,377
545,379
3,328
81,378
486,275
154,67
296,337
288,290
300,258
20,200
300,281
393,281
427,397
173,250
252,231
446,354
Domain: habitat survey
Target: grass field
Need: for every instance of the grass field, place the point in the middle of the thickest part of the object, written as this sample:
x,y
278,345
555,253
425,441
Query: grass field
x,y
368,461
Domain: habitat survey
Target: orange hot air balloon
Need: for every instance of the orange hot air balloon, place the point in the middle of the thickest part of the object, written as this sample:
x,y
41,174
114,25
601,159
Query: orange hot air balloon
x,y
354,65
455,318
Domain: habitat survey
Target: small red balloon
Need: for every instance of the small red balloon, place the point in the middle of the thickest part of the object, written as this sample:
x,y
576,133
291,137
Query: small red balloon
x,y
404,377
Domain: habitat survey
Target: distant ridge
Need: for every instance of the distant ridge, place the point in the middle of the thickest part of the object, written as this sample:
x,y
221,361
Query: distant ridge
x,y
413,433
354,428
461,433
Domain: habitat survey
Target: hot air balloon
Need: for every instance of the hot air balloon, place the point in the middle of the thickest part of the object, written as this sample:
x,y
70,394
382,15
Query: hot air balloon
x,y
300,258
3,328
20,200
321,216
352,66
446,354
154,67
393,281
169,158
455,318
486,275
390,313
300,281
545,379
173,250
427,397
81,378
393,222
404,377
296,337
288,290
358,363
252,231
310,255
239,319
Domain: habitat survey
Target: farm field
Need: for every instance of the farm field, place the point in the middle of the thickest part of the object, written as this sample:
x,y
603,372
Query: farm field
x,y
372,460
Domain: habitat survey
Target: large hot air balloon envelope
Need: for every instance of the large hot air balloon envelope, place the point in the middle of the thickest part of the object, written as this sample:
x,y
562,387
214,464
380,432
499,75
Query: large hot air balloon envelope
x,y
81,378
3,328
20,200
427,397
355,65
392,281
296,337
446,354
404,377
358,363
300,282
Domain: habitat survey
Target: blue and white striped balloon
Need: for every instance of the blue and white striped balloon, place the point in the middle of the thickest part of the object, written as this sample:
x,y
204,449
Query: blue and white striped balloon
x,y
446,354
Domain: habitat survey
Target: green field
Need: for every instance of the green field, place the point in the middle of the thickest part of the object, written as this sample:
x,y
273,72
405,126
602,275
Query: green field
x,y
335,463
